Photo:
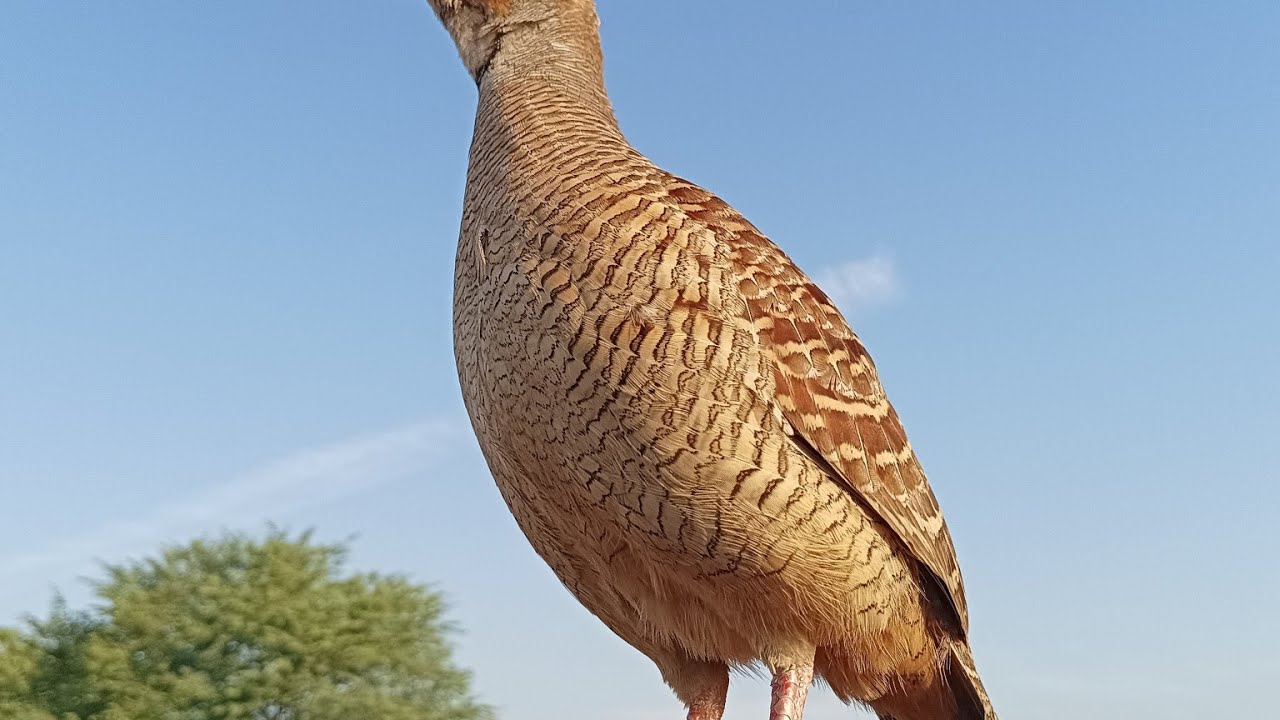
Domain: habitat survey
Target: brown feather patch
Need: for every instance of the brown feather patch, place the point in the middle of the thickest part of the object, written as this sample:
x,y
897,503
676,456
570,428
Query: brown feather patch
x,y
851,425
498,8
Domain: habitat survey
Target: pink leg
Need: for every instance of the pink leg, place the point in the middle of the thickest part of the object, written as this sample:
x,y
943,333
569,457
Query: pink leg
x,y
709,703
790,688
701,685
707,710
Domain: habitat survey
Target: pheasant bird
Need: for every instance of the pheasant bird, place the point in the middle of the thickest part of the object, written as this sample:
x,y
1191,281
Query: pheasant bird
x,y
681,422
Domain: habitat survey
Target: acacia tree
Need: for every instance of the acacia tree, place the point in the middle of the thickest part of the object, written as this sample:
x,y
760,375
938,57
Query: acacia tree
x,y
238,629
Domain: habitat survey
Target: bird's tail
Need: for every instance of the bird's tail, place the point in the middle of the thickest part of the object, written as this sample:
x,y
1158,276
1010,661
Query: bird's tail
x,y
957,694
962,676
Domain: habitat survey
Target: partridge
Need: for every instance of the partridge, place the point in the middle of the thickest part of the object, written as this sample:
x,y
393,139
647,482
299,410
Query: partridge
x,y
682,423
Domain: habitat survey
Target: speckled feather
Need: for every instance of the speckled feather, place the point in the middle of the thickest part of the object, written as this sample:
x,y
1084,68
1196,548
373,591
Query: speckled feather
x,y
830,393
681,422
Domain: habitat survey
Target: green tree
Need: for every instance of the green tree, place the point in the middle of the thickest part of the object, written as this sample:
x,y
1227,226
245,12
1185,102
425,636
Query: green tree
x,y
19,663
238,629
61,683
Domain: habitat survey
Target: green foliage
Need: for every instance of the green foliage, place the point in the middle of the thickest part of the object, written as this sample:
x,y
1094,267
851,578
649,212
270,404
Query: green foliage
x,y
19,662
237,629
61,684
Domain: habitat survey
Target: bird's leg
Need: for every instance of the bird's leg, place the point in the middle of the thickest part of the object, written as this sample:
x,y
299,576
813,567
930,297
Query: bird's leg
x,y
710,707
703,686
790,689
707,701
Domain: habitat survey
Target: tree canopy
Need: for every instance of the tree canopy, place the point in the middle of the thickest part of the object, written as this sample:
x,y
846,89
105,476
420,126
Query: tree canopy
x,y
239,629
19,660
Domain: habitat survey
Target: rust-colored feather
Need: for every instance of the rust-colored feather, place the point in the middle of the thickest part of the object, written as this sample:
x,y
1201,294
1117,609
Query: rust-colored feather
x,y
830,392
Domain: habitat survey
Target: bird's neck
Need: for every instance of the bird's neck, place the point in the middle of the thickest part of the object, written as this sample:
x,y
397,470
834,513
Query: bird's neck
x,y
550,68
543,118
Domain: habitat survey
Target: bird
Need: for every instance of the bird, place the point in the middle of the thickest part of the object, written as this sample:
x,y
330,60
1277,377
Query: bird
x,y
683,424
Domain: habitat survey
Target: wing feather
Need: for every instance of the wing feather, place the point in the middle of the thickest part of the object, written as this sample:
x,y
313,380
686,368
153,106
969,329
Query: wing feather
x,y
830,393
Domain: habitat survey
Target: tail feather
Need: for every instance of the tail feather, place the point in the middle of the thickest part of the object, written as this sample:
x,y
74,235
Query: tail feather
x,y
956,694
962,677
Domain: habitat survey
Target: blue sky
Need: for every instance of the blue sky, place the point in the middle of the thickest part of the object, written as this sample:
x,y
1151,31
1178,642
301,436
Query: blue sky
x,y
226,232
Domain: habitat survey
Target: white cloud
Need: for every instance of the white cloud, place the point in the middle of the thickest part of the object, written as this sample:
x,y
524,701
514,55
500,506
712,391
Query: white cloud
x,y
862,283
306,478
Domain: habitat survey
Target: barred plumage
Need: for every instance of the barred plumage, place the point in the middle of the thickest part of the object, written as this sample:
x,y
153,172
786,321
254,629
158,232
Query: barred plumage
x,y
681,422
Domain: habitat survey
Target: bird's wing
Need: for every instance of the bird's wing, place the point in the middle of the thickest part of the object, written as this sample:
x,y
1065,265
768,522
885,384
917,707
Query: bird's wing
x,y
828,390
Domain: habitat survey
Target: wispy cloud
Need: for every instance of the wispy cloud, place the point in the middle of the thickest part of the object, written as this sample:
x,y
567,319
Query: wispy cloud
x,y
303,479
860,284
